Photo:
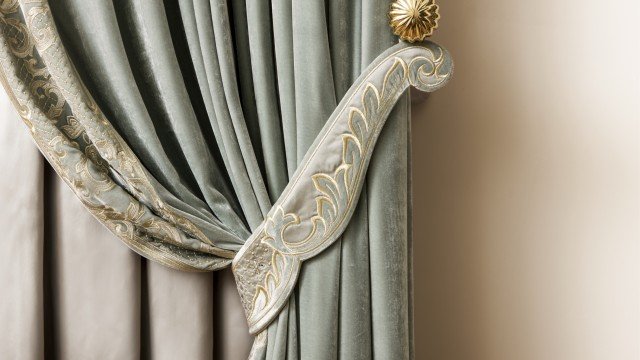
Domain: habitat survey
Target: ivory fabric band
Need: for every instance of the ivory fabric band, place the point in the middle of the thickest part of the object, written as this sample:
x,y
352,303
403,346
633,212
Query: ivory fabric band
x,y
318,202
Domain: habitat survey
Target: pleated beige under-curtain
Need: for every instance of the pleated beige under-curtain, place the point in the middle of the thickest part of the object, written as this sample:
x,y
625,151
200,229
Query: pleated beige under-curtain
x,y
70,290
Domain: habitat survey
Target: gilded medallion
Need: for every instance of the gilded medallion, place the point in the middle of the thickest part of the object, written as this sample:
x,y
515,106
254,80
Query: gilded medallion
x,y
413,20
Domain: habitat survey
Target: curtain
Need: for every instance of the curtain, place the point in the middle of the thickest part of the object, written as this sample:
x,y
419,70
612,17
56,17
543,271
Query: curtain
x,y
219,101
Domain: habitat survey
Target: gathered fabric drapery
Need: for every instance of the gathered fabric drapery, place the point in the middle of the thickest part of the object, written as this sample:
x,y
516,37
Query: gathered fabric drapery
x,y
203,111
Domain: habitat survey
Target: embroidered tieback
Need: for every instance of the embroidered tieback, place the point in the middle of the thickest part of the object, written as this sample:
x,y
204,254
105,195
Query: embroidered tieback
x,y
318,202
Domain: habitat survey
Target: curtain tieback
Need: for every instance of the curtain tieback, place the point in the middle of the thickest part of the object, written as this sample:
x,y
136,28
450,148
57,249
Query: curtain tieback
x,y
315,207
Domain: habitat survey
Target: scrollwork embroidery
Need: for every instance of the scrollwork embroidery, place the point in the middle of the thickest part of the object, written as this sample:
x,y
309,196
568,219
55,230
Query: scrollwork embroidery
x,y
266,267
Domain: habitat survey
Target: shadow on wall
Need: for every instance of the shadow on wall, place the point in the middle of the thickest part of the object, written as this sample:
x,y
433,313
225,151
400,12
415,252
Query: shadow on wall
x,y
526,185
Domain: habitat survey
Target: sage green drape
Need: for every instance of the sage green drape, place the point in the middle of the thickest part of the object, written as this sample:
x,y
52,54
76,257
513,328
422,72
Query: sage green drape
x,y
220,101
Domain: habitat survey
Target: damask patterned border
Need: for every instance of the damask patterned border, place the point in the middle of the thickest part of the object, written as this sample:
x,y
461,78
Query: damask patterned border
x,y
318,202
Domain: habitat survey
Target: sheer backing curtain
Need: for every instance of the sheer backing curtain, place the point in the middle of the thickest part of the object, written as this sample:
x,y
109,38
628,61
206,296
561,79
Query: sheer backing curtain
x,y
220,101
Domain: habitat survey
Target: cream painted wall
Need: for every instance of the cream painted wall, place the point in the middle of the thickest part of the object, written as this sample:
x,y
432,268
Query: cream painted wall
x,y
527,186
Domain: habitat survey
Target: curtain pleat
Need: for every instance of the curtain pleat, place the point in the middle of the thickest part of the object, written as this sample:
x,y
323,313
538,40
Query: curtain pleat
x,y
152,54
220,100
171,319
22,267
388,211
265,87
388,219
94,282
282,27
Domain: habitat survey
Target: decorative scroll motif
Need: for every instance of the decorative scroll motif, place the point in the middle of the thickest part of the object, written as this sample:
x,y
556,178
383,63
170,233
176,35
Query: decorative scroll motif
x,y
267,266
85,149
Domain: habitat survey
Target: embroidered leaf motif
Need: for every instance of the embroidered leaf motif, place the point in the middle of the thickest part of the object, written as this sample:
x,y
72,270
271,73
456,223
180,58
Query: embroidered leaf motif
x,y
370,101
260,300
271,283
327,186
351,149
278,263
325,208
358,124
395,78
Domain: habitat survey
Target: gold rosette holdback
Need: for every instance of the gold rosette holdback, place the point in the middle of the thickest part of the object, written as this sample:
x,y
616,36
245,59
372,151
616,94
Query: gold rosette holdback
x,y
413,20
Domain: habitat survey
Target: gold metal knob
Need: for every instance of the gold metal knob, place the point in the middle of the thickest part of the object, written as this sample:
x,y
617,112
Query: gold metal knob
x,y
413,20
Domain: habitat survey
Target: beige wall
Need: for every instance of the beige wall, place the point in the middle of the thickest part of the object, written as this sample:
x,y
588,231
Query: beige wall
x,y
526,184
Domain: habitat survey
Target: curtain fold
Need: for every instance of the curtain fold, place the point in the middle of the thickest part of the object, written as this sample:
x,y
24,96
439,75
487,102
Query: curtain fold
x,y
22,266
220,101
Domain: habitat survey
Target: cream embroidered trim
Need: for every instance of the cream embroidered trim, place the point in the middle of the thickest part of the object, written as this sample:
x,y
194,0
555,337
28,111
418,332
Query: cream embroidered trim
x,y
318,202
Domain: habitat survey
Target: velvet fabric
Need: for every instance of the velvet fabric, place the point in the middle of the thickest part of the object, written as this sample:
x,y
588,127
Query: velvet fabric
x,y
220,101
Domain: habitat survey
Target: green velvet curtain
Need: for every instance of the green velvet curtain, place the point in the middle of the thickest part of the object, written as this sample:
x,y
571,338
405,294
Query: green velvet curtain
x,y
220,100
